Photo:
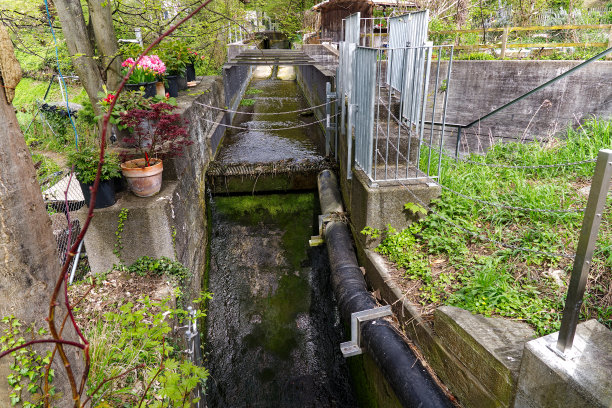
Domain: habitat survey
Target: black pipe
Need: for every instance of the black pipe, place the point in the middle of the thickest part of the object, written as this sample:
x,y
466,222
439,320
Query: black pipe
x,y
411,383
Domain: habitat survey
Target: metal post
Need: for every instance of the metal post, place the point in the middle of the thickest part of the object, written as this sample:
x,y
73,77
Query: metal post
x,y
349,141
327,117
459,130
586,246
138,34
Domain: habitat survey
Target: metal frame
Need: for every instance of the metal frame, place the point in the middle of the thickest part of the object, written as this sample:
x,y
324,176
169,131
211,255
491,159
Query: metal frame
x,y
388,144
353,347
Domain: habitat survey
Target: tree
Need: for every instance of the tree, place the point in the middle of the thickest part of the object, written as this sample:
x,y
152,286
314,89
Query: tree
x,y
29,266
92,70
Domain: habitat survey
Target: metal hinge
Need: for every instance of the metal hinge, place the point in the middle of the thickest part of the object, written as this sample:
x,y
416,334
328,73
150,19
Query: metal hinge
x,y
353,347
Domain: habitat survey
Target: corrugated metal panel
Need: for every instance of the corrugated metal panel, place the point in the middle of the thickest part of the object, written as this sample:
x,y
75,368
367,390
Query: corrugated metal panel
x,y
364,97
352,28
407,30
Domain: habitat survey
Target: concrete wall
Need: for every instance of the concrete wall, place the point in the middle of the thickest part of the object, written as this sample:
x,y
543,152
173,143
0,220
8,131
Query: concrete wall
x,y
190,198
173,222
312,80
235,82
478,87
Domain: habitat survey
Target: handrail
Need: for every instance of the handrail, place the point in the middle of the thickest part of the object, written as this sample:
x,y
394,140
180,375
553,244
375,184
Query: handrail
x,y
534,90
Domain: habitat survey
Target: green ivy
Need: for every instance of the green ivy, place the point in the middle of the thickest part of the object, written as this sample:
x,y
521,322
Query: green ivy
x,y
123,214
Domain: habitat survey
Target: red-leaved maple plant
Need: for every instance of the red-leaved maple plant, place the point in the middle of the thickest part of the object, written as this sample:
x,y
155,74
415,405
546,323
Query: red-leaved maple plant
x,y
156,132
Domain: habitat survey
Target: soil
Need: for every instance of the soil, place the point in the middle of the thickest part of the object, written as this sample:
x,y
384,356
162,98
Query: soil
x,y
114,290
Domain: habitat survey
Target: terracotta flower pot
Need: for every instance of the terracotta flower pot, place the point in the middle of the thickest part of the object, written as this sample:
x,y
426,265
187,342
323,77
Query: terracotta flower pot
x,y
143,181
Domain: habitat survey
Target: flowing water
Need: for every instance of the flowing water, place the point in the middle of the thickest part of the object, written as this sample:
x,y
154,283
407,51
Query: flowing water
x,y
273,331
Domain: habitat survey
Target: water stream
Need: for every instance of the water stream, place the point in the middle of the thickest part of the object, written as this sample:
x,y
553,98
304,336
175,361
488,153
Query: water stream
x,y
273,331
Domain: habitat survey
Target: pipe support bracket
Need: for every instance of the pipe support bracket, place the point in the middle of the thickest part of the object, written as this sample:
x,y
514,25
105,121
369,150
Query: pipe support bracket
x,y
353,347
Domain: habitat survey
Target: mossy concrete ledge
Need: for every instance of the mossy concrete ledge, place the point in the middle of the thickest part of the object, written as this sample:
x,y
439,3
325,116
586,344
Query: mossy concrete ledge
x,y
580,378
476,357
147,230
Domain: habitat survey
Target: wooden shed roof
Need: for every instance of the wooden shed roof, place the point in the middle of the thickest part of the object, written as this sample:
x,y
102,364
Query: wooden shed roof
x,y
383,3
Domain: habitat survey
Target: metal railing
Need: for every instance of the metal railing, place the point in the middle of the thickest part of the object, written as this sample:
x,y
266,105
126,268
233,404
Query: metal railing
x,y
603,39
461,128
194,352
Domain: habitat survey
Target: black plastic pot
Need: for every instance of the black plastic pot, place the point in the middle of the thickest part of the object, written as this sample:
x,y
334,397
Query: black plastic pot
x,y
149,88
106,193
182,83
190,73
173,87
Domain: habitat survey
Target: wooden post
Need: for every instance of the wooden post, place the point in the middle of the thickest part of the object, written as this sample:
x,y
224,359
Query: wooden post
x,y
502,53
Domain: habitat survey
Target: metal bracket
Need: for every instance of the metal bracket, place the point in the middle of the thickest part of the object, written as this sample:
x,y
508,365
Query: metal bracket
x,y
317,240
353,347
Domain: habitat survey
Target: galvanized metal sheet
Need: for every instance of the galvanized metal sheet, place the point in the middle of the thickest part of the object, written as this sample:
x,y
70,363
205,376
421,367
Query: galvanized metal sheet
x,y
352,28
407,30
364,78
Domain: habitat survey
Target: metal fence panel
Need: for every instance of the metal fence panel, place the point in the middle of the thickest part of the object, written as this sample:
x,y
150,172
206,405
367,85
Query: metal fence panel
x,y
352,28
364,98
407,30
417,68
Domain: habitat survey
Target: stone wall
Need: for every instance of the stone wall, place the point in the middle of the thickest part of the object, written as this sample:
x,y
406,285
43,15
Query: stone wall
x,y
190,199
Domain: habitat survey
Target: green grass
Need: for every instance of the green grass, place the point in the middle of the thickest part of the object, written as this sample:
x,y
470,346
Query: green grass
x,y
28,95
455,268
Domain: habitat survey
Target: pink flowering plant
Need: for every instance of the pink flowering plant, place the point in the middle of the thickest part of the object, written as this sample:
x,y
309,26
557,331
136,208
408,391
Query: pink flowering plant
x,y
149,69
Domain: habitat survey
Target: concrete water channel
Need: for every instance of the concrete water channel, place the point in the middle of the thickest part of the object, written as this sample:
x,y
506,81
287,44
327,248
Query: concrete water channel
x,y
273,329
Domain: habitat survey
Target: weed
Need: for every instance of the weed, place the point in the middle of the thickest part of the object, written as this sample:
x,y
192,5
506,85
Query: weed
x,y
28,366
145,265
247,102
253,91
484,278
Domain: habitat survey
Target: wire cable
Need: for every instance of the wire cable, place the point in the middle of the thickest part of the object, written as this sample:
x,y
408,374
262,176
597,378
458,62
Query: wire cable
x,y
478,200
502,166
265,113
265,129
59,71
484,238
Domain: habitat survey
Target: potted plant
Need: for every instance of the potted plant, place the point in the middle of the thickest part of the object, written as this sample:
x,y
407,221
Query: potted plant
x,y
128,100
85,162
194,59
176,57
158,133
149,70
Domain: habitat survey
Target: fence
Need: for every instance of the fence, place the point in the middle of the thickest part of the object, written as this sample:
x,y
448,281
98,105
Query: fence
x,y
594,15
604,37
387,98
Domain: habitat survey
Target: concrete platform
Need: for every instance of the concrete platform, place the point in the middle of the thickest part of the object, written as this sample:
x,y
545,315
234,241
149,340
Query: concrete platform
x,y
582,379
147,230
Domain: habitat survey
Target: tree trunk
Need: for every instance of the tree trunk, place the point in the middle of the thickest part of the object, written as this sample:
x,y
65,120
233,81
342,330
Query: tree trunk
x,y
106,41
80,48
29,265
